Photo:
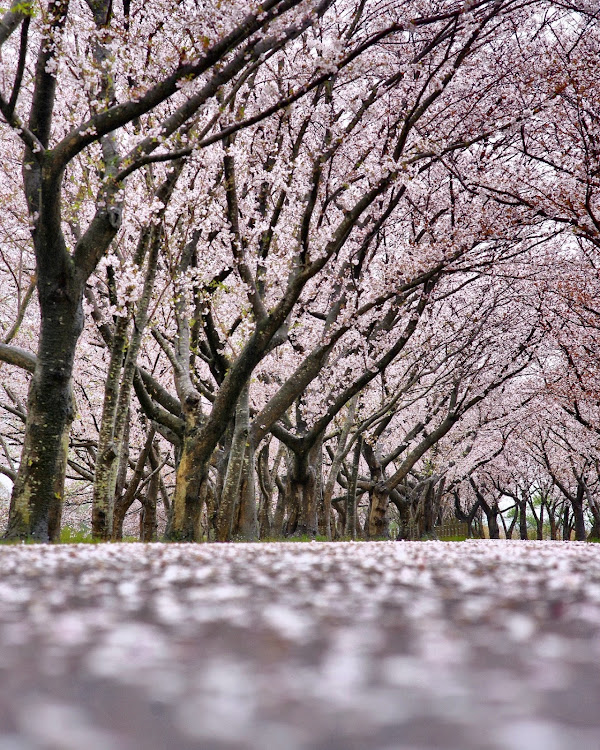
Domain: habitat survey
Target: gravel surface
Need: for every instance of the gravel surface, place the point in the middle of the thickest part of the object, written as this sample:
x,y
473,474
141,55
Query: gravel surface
x,y
352,646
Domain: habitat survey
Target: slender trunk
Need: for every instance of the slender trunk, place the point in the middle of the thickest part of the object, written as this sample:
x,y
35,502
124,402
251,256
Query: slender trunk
x,y
107,450
117,394
247,519
339,522
120,512
235,466
579,517
336,464
127,498
279,515
566,523
293,493
350,529
266,492
523,519
540,524
148,519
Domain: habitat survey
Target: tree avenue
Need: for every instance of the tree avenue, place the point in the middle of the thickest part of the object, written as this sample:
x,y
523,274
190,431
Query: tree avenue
x,y
300,268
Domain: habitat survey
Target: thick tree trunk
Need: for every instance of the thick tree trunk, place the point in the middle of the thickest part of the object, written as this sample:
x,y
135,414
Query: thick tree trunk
x,y
190,493
579,519
38,491
305,488
378,521
523,519
566,523
492,519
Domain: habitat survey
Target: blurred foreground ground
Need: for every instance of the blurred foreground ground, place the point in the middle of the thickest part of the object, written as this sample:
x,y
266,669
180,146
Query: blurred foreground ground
x,y
352,646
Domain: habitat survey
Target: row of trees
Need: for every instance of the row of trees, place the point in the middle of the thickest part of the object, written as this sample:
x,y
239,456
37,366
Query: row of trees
x,y
299,265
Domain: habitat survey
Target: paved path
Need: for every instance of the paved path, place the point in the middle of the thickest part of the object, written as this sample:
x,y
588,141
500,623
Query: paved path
x,y
387,646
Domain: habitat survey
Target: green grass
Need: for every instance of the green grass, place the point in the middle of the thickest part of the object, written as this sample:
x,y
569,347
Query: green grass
x,y
302,538
82,535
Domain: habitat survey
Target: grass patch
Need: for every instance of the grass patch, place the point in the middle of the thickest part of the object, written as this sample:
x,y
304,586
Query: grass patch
x,y
302,538
82,535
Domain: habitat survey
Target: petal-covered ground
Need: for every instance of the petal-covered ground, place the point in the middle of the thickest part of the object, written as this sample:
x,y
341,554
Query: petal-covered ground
x,y
352,646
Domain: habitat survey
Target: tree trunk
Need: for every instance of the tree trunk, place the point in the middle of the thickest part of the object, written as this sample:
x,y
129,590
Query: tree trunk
x,y
595,530
125,499
350,529
523,519
579,517
120,511
148,519
378,521
305,487
108,451
247,519
235,466
492,519
336,464
566,523
539,523
191,480
117,393
279,515
266,492
38,491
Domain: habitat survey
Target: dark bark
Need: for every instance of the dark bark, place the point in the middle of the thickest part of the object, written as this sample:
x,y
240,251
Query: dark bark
x,y
39,487
350,529
522,506
578,514
148,518
232,483
303,486
265,528
378,519
280,507
247,529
